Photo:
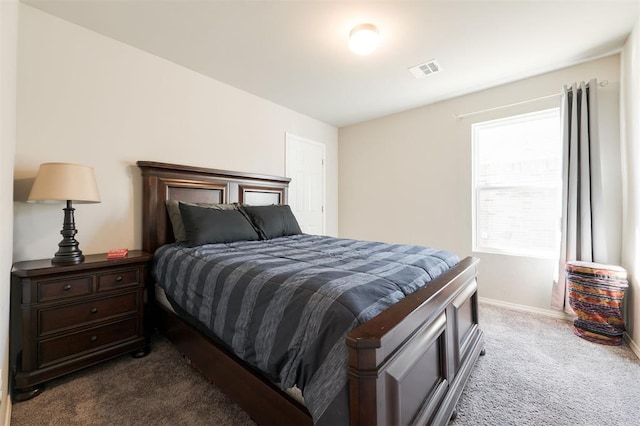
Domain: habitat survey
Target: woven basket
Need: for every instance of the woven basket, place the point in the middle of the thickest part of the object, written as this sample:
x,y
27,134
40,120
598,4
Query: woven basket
x,y
595,295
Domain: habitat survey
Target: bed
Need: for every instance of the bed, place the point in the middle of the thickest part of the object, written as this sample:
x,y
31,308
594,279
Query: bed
x,y
406,365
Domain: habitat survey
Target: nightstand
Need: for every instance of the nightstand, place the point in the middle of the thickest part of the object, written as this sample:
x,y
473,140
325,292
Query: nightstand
x,y
67,317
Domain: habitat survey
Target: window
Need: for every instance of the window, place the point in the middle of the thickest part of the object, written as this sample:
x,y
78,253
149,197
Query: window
x,y
517,164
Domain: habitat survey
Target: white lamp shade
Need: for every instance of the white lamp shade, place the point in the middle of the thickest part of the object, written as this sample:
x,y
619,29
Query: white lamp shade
x,y
58,182
364,39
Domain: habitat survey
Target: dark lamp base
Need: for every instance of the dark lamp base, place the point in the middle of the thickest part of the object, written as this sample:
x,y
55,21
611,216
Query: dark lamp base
x,y
68,258
68,252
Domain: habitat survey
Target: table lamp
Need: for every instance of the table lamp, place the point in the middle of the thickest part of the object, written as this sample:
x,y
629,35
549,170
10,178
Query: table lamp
x,y
58,182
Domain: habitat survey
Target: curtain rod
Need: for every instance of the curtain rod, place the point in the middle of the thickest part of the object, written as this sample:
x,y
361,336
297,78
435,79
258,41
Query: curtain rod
x,y
468,114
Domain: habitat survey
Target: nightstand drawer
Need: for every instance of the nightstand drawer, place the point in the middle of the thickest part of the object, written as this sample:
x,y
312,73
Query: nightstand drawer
x,y
61,289
52,320
92,339
118,279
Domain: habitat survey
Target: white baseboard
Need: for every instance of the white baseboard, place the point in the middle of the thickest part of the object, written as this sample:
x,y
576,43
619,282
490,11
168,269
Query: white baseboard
x,y
633,345
524,308
7,413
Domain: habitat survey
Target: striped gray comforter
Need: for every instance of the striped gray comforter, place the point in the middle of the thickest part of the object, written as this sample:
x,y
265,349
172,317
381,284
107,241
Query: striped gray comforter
x,y
285,305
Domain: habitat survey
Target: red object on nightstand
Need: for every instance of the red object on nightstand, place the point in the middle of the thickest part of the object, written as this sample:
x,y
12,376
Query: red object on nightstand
x,y
117,253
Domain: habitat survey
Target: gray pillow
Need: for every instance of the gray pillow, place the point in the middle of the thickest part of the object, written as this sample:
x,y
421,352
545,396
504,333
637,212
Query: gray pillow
x,y
176,218
272,221
213,226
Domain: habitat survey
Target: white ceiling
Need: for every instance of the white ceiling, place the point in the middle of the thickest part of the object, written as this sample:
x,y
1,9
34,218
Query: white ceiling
x,y
294,53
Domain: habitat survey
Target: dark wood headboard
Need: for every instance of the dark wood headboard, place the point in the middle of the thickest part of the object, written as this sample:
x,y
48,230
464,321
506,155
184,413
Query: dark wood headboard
x,y
163,181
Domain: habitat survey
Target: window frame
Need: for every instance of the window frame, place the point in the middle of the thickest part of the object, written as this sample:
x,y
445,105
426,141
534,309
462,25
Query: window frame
x,y
475,128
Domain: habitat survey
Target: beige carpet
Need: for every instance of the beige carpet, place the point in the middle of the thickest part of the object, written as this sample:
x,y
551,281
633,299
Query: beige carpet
x,y
536,372
160,389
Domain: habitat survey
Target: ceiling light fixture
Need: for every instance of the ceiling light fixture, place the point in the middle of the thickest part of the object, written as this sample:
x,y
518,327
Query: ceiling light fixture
x,y
364,39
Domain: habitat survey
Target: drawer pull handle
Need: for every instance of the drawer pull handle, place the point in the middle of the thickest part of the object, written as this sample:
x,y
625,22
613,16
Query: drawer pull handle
x,y
93,339
67,287
118,278
94,310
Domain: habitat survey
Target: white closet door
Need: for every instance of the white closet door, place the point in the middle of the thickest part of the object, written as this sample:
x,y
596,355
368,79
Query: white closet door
x,y
305,167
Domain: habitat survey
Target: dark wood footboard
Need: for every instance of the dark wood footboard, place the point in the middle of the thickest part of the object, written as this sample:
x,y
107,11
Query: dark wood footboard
x,y
409,364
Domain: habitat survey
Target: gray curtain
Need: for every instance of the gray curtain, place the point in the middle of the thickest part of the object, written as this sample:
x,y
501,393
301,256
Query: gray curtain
x,y
582,226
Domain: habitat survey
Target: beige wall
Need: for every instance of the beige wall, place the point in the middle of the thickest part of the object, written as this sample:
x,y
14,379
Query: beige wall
x,y
630,123
407,177
8,62
89,99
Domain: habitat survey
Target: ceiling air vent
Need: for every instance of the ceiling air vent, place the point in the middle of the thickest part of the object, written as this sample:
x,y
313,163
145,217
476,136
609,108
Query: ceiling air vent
x,y
423,70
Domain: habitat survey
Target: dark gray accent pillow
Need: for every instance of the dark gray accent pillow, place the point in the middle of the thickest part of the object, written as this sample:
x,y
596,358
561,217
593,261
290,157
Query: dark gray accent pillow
x,y
273,221
176,219
210,226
